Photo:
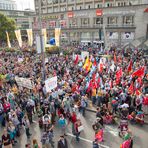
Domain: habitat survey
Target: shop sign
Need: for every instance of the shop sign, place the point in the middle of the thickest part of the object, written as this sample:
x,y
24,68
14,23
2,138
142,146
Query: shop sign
x,y
99,12
70,14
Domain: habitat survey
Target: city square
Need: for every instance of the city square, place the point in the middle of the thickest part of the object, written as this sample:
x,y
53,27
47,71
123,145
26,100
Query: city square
x,y
73,74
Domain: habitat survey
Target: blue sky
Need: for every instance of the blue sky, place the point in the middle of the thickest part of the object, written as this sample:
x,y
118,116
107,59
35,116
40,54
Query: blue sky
x,y
23,4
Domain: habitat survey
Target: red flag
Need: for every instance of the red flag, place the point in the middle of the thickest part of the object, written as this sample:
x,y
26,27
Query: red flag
x,y
89,86
129,68
95,63
131,88
119,74
101,67
139,80
98,82
145,100
137,92
94,77
76,60
115,58
139,72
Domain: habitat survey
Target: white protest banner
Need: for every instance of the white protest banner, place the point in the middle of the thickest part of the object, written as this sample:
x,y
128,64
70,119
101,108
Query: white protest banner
x,y
24,82
84,54
51,83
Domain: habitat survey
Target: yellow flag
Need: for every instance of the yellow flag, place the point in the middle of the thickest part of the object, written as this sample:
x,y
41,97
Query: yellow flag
x,y
30,37
19,38
86,63
57,36
44,33
8,40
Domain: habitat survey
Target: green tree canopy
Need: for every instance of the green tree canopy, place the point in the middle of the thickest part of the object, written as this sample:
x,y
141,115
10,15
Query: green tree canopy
x,y
6,24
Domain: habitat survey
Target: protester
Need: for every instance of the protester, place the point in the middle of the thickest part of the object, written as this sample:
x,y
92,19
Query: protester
x,y
62,143
114,83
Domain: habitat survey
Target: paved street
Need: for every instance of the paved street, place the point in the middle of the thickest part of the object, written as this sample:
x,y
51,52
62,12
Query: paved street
x,y
112,140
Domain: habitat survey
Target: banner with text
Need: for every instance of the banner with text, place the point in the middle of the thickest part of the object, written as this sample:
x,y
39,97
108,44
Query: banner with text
x,y
51,83
24,82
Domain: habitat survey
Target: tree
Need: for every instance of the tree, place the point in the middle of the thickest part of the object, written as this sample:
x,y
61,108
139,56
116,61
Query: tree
x,y
6,24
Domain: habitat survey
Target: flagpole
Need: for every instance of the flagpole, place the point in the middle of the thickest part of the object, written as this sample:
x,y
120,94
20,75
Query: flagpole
x,y
41,42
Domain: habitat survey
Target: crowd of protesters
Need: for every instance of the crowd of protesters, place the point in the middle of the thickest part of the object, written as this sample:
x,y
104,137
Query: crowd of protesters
x,y
115,82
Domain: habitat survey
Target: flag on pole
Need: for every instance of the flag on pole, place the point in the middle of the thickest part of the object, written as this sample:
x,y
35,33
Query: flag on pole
x,y
87,64
30,37
129,68
8,40
139,72
131,88
76,60
118,76
19,37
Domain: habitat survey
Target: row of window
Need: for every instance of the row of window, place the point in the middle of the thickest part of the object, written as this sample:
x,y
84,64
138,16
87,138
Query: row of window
x,y
86,22
7,6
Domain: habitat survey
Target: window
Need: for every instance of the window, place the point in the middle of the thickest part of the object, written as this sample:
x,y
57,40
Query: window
x,y
98,6
112,20
72,8
80,7
108,5
88,6
98,20
73,22
118,4
84,21
128,20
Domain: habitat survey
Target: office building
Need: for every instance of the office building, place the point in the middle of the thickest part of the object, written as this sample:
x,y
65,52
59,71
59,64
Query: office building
x,y
113,21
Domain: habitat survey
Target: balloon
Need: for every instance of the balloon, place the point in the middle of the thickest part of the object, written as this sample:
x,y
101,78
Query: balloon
x,y
52,41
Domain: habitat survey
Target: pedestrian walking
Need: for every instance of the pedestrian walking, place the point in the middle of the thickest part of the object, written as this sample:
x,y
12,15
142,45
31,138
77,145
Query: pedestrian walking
x,y
62,123
26,123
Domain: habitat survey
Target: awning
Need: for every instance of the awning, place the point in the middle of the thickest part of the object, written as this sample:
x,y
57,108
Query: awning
x,y
146,10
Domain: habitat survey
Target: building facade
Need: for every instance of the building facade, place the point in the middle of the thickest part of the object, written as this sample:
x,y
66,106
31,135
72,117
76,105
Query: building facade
x,y
113,21
8,5
23,19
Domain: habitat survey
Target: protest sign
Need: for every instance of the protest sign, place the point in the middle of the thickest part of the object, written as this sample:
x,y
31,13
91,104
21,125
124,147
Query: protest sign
x,y
24,82
51,83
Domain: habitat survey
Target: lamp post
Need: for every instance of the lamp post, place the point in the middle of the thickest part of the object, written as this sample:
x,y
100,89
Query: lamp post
x,y
41,43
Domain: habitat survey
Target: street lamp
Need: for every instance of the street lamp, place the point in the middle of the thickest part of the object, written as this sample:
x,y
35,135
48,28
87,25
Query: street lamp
x,y
41,43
